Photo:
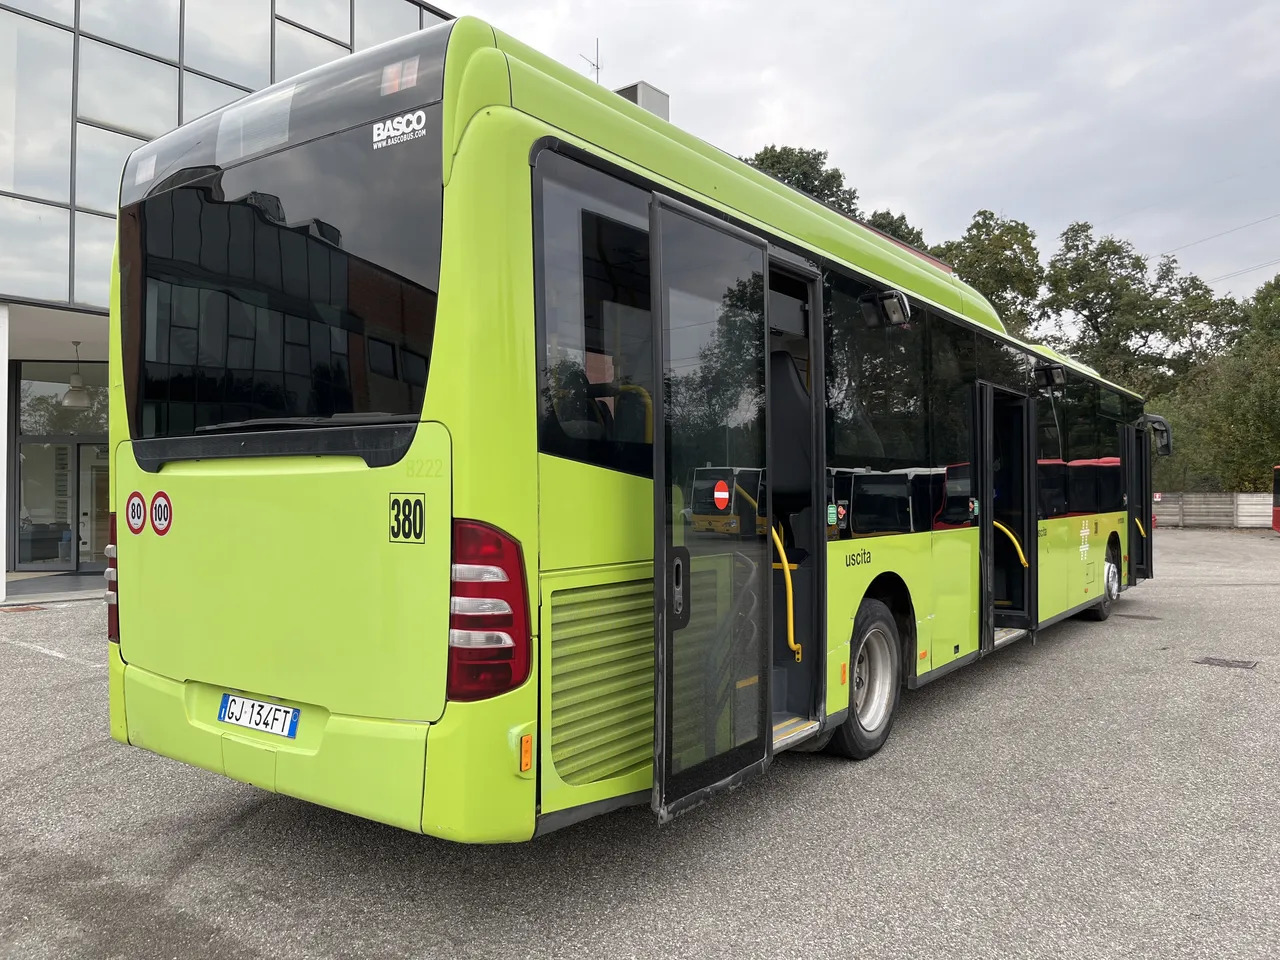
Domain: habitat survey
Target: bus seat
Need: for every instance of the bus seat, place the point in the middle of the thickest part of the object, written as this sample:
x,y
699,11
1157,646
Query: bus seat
x,y
606,417
633,415
576,412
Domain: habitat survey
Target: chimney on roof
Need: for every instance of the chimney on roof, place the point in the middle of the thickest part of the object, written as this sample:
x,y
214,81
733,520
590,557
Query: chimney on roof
x,y
648,97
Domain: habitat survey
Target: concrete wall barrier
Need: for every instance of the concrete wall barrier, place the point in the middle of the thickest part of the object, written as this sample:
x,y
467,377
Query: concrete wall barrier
x,y
1213,510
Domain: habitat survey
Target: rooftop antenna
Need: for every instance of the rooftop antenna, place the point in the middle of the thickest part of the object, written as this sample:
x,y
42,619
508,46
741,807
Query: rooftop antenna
x,y
595,64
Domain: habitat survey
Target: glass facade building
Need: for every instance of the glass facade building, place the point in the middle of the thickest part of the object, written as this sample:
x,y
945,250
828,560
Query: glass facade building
x,y
82,84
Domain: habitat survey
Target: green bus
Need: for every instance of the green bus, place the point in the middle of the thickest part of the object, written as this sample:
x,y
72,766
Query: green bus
x,y
414,360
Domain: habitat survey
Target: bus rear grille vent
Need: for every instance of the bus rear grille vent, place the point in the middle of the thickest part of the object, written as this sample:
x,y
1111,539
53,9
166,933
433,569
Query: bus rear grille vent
x,y
602,680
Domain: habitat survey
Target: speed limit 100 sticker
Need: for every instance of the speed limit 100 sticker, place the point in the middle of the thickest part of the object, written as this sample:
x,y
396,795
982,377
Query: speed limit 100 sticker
x,y
161,513
135,512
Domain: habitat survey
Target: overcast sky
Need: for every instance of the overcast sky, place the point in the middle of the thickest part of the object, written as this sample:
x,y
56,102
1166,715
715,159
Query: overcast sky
x,y
1156,120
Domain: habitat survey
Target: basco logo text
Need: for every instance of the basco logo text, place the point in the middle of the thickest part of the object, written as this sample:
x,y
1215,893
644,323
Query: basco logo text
x,y
410,126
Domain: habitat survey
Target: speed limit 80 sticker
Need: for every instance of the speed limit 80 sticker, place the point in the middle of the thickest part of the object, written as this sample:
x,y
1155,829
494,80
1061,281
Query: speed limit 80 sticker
x,y
135,512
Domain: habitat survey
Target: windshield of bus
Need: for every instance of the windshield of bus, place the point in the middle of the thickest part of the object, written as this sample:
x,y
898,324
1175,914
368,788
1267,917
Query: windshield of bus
x,y
296,287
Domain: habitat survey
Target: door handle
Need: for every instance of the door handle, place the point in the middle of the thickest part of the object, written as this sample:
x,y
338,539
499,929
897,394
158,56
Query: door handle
x,y
678,588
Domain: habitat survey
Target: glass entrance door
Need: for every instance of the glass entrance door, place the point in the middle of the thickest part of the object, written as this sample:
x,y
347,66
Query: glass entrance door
x,y
46,506
93,508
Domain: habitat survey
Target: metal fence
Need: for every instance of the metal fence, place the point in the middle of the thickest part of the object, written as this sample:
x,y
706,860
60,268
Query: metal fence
x,y
1213,510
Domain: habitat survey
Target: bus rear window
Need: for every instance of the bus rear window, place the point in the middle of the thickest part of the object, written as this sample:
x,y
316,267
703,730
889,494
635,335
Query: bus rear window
x,y
301,284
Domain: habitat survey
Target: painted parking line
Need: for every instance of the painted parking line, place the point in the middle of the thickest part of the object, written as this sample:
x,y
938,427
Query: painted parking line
x,y
53,653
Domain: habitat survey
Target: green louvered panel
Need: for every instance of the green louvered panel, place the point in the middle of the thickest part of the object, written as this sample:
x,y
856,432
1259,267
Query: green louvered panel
x,y
602,680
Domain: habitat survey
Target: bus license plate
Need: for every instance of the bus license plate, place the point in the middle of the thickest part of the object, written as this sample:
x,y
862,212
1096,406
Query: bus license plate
x,y
256,715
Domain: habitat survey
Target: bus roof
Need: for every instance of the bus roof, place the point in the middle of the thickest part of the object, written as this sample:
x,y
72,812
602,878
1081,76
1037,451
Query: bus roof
x,y
636,138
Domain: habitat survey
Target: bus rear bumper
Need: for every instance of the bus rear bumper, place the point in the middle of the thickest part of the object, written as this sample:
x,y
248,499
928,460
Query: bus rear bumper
x,y
470,786
366,767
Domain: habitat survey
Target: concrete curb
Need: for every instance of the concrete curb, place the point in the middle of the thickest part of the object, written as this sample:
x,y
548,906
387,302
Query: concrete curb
x,y
42,598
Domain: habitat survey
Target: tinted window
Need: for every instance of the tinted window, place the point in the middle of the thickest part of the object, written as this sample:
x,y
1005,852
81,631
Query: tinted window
x,y
230,39
1051,466
298,51
1004,365
380,20
1110,448
360,88
596,375
95,242
148,25
100,158
34,249
35,110
877,431
126,91
952,371
279,289
201,95
1080,438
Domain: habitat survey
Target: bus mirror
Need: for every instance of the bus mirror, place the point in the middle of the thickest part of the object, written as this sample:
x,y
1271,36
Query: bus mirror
x,y
1163,435
1051,375
886,308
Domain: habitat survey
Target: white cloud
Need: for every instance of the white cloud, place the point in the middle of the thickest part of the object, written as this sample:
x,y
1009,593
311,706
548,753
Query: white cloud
x,y
1154,119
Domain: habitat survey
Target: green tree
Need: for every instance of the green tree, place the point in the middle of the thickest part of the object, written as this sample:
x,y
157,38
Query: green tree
x,y
807,171
1225,418
1262,311
1137,326
998,257
897,225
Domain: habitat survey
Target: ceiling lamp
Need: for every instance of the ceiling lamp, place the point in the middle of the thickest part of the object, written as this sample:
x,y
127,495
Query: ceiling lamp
x,y
76,397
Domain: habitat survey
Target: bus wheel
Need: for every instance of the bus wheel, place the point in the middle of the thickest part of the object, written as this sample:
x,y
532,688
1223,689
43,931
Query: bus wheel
x,y
875,679
1110,586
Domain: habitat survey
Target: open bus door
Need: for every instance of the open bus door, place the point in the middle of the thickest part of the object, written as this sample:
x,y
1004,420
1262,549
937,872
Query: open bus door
x,y
1006,498
1137,462
712,617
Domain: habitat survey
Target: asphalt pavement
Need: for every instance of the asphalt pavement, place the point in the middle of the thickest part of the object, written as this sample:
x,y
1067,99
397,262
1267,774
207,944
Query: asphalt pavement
x,y
1098,794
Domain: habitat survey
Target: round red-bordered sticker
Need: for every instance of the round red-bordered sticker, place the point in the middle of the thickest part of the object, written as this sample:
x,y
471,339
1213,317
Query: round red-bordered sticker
x,y
722,494
161,513
135,512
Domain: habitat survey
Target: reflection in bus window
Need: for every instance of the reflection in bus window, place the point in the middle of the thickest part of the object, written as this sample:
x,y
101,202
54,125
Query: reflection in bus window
x,y
877,434
596,377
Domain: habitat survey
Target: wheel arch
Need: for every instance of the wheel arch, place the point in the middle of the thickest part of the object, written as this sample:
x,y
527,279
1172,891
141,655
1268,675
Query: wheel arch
x,y
891,590
1113,540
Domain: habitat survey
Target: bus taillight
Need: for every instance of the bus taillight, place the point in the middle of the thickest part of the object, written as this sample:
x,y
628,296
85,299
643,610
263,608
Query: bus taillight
x,y
112,574
488,613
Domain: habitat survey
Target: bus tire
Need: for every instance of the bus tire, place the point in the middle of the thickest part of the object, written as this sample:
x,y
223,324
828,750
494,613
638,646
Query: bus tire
x,y
1110,586
875,675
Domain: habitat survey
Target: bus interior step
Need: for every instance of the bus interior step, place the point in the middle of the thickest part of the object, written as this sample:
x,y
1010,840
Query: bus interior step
x,y
789,729
1006,635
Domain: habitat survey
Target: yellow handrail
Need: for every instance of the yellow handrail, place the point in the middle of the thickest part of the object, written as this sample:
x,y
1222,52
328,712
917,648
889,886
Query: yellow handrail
x,y
1140,530
1016,545
791,613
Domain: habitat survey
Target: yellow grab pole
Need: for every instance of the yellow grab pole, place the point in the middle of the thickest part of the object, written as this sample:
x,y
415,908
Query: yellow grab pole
x,y
786,576
1016,545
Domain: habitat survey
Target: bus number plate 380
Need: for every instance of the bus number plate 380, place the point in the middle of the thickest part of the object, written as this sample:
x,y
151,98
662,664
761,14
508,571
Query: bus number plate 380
x,y
407,518
257,715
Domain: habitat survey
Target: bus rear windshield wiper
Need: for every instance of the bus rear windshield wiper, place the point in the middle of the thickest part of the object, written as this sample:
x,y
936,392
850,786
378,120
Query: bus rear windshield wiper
x,y
305,423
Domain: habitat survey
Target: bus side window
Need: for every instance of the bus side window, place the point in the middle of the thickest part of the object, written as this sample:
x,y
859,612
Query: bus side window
x,y
595,376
